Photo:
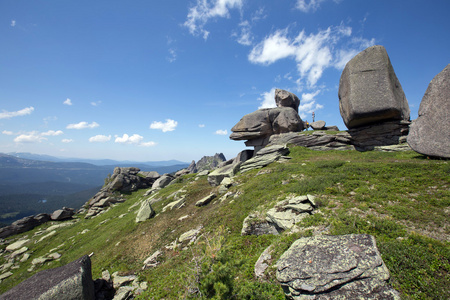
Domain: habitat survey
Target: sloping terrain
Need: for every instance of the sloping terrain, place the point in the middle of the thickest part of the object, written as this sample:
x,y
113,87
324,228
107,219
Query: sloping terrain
x,y
402,199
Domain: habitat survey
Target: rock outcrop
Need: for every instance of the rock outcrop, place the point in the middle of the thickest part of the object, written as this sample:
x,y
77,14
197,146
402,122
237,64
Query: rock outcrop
x,y
430,132
264,157
286,99
369,90
24,225
62,214
206,163
334,267
72,281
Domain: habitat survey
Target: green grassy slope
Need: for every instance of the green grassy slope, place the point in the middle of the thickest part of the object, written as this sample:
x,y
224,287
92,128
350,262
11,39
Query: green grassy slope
x,y
403,199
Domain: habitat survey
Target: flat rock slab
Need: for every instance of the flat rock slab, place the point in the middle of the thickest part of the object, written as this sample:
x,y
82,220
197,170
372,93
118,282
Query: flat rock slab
x,y
145,212
334,267
429,134
70,282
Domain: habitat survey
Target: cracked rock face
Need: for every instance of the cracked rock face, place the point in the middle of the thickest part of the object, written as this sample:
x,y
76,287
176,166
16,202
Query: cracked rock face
x,y
369,90
330,267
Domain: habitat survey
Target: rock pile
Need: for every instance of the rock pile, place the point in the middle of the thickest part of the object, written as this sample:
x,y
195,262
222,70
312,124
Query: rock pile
x,y
430,132
24,225
334,267
206,163
258,126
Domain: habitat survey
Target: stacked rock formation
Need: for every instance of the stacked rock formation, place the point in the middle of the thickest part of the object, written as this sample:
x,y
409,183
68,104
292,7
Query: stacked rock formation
x,y
430,132
258,126
371,98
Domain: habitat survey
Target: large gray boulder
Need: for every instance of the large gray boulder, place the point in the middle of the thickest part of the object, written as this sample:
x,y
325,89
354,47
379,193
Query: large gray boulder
x,y
334,267
145,212
70,282
62,214
286,99
430,133
369,90
23,225
163,181
264,157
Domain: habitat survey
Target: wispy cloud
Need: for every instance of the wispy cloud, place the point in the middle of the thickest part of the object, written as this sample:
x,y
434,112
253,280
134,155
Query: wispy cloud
x,y
67,102
11,114
201,125
172,55
169,125
7,132
308,5
13,23
100,138
52,133
83,125
313,53
221,132
134,139
245,35
96,103
67,141
30,137
308,104
204,10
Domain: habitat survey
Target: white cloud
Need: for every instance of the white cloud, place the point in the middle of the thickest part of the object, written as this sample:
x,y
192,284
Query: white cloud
x,y
172,55
83,125
147,144
308,104
52,133
201,125
100,138
68,102
126,139
221,132
96,103
307,6
245,37
13,23
31,137
313,53
7,132
10,114
204,10
267,99
66,141
169,125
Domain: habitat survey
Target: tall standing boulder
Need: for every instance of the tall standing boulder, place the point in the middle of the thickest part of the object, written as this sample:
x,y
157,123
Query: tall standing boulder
x,y
286,99
369,90
430,133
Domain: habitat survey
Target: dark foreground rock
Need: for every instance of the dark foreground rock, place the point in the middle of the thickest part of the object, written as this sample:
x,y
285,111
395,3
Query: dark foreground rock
x,y
369,90
70,282
24,225
430,132
334,267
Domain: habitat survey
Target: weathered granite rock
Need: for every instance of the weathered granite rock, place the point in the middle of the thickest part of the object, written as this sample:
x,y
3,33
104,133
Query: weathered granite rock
x,y
17,245
263,262
369,90
334,267
62,214
288,212
318,140
190,235
24,225
286,99
379,134
152,260
163,181
318,125
72,282
145,212
205,200
216,176
256,224
430,133
264,157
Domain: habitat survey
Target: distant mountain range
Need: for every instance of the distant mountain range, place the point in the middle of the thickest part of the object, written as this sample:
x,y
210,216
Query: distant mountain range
x,y
33,183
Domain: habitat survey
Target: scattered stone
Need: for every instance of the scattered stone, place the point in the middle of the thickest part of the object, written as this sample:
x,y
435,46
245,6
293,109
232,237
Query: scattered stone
x,y
85,231
263,262
73,280
205,200
183,218
145,212
369,91
46,236
190,235
175,204
122,280
19,252
5,275
62,214
163,181
256,224
152,261
23,225
430,132
216,176
318,125
25,257
16,245
54,256
334,267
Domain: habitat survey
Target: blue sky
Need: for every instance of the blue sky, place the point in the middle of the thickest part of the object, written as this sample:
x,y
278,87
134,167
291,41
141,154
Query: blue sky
x,y
158,80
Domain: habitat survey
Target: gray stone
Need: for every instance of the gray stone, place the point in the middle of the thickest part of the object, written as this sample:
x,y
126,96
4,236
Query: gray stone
x,y
369,90
70,282
152,260
256,224
262,263
290,211
190,235
334,267
119,281
62,214
430,133
264,157
163,181
145,212
286,99
216,176
16,245
205,200
318,125
5,275
23,225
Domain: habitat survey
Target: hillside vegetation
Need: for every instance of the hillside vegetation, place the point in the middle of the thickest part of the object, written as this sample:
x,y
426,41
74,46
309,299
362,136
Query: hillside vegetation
x,y
402,198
